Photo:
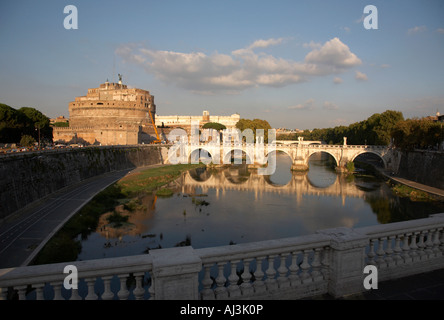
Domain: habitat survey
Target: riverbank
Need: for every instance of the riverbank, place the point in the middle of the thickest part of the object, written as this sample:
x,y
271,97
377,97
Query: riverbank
x,y
126,192
405,187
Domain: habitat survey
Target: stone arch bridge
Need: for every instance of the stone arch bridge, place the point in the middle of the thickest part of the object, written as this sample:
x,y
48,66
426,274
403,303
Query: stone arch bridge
x,y
299,151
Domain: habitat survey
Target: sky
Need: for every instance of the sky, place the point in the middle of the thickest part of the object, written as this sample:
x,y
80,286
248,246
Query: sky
x,y
297,64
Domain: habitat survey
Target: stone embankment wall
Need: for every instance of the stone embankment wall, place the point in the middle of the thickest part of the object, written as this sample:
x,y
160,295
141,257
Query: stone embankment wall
x,y
25,178
426,167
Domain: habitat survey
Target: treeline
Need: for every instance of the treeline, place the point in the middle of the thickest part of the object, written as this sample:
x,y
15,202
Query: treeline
x,y
23,125
418,134
380,129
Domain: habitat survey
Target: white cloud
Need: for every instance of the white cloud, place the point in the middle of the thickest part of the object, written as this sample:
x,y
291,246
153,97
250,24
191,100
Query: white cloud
x,y
265,43
440,30
241,69
334,56
307,105
361,76
330,105
337,80
416,30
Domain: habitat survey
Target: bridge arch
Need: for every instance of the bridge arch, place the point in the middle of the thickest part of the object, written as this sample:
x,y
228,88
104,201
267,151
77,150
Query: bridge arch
x,y
227,156
321,151
196,155
371,152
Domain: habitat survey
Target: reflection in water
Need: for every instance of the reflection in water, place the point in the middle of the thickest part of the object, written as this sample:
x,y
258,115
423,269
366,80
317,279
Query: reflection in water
x,y
216,207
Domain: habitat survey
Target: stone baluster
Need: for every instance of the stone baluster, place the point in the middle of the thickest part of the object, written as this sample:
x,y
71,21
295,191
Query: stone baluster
x,y
75,295
3,293
325,263
90,282
246,287
397,250
316,265
389,252
107,294
207,282
441,247
406,249
414,248
57,287
270,282
258,284
139,291
305,266
436,243
233,278
380,261
371,253
21,290
221,291
123,293
151,290
429,245
294,270
282,279
39,291
421,246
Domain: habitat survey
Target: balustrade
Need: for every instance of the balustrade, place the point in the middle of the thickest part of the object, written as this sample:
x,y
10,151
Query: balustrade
x,y
284,268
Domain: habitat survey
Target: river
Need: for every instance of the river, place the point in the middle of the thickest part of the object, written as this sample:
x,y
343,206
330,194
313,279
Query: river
x,y
214,207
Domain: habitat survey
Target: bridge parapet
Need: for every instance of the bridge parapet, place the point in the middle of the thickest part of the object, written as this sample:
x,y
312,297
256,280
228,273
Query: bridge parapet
x,y
329,261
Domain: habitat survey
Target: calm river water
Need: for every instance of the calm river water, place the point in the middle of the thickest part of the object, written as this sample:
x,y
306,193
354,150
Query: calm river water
x,y
235,205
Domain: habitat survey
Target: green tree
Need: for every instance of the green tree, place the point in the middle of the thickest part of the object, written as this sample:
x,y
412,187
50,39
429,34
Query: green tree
x,y
254,124
38,122
12,124
27,141
214,125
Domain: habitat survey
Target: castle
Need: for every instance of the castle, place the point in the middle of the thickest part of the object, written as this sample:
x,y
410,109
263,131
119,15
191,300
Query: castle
x,y
111,114
114,114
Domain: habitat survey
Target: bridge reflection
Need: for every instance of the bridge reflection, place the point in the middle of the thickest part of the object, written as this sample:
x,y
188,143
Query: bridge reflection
x,y
242,178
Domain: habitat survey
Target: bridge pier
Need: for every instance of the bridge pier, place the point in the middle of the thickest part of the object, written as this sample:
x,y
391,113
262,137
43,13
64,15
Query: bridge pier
x,y
299,165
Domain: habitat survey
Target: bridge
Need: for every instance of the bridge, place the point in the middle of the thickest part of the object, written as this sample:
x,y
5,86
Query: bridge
x,y
298,185
259,154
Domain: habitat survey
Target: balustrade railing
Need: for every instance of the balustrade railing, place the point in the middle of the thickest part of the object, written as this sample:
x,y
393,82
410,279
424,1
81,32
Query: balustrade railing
x,y
329,261
104,279
285,267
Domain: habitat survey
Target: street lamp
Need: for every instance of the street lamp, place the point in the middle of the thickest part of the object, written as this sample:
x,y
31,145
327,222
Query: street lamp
x,y
38,128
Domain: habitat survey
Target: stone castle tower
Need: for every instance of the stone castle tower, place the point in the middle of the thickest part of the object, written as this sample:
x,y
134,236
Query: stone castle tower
x,y
111,114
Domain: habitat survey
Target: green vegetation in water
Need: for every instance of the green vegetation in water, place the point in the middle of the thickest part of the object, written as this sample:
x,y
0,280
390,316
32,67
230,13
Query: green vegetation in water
x,y
149,180
164,192
65,246
199,202
415,195
116,219
350,166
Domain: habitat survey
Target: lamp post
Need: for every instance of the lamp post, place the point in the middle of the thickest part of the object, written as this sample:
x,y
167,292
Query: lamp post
x,y
38,129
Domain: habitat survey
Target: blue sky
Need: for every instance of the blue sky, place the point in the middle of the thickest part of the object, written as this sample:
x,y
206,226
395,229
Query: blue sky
x,y
297,64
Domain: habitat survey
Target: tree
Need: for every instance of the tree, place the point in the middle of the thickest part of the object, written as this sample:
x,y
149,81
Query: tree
x,y
12,124
214,125
24,121
255,124
39,123
27,141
